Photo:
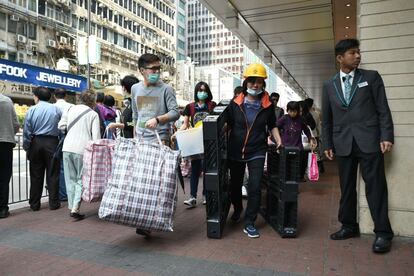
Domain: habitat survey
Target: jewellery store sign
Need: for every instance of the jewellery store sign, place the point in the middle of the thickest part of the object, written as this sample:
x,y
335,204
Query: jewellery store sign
x,y
24,73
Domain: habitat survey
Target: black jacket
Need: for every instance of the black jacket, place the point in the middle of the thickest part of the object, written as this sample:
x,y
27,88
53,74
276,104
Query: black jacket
x,y
245,143
367,119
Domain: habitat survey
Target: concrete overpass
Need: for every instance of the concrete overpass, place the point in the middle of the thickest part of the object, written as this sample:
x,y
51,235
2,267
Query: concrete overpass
x,y
297,38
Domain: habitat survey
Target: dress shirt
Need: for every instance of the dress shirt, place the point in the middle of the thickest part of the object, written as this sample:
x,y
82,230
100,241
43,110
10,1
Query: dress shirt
x,y
41,119
342,76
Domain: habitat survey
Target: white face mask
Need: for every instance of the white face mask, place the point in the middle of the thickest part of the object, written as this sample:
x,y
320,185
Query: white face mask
x,y
254,92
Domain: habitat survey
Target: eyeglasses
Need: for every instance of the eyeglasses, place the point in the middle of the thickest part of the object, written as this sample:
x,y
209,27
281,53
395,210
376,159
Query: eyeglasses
x,y
154,68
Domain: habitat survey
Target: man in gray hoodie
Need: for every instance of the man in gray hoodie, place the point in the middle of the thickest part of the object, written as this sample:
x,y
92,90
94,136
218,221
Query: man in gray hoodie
x,y
154,105
8,128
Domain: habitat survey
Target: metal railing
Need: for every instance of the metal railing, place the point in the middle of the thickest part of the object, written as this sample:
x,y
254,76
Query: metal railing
x,y
20,181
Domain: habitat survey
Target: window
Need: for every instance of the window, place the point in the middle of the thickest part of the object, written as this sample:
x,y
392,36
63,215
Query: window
x,y
32,5
12,26
181,31
32,31
182,4
181,44
2,21
181,17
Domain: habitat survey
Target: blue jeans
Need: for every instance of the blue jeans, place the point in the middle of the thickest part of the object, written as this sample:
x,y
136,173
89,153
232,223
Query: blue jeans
x,y
196,166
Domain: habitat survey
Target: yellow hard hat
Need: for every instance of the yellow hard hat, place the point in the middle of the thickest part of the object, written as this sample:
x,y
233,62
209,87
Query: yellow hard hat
x,y
255,70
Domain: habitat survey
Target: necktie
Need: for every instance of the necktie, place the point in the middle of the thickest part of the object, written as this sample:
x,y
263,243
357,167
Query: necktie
x,y
347,88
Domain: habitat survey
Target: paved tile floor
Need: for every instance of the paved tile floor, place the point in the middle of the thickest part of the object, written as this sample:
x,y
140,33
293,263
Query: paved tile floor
x,y
50,243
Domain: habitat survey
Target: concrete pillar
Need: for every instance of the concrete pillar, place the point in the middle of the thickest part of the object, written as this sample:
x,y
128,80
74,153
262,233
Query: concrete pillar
x,y
386,31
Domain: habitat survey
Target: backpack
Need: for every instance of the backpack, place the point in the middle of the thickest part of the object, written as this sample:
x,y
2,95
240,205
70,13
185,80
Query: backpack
x,y
194,118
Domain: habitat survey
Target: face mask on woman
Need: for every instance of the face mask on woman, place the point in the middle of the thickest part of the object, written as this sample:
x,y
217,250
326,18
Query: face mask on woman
x,y
254,92
202,95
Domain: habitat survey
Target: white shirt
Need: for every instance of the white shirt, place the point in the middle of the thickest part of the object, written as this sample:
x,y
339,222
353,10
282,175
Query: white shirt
x,y
342,75
84,130
63,105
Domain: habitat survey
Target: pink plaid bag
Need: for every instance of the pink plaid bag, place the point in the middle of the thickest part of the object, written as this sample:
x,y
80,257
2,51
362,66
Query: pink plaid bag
x,y
97,168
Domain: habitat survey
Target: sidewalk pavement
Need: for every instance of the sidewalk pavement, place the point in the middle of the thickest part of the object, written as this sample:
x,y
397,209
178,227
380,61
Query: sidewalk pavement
x,y
51,243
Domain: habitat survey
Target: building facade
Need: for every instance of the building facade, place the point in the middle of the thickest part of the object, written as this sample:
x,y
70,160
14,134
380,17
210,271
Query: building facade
x,y
181,21
210,43
41,32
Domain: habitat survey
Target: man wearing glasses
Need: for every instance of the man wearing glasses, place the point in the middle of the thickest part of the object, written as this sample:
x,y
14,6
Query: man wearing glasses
x,y
154,105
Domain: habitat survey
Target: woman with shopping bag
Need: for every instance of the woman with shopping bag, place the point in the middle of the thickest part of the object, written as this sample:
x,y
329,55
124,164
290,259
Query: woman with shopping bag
x,y
194,113
82,125
250,117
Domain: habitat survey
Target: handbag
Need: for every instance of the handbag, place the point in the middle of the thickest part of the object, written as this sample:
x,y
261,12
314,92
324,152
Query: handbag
x,y
142,190
313,171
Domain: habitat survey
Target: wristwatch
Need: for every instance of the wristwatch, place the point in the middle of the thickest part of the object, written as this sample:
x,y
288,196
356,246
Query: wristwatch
x,y
158,120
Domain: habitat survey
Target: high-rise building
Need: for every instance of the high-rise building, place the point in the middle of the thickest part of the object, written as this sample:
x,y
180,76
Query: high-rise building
x,y
181,20
41,32
210,42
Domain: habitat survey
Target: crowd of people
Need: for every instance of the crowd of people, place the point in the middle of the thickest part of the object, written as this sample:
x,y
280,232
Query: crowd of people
x,y
55,136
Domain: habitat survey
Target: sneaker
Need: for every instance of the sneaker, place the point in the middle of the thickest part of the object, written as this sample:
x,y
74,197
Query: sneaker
x,y
191,202
204,200
236,217
143,232
77,216
244,191
251,231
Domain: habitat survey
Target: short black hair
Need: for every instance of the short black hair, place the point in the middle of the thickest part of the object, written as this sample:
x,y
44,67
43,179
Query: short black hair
x,y
345,44
42,93
128,82
309,102
147,59
109,100
60,93
197,88
100,96
252,80
274,94
237,90
293,106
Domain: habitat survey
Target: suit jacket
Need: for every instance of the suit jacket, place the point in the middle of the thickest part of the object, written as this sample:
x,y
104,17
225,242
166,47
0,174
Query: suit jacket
x,y
367,118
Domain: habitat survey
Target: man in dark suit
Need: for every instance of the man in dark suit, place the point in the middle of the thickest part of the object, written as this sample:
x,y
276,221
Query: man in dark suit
x,y
358,129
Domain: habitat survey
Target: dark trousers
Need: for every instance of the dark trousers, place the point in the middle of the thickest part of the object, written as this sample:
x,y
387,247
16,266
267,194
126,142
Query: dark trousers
x,y
41,153
195,175
373,173
6,166
237,169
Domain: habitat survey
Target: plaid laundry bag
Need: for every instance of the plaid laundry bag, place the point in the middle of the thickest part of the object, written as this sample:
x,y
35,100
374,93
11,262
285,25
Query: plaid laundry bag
x,y
97,167
142,191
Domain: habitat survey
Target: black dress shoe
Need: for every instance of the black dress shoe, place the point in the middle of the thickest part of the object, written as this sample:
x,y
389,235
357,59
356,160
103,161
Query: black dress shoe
x,y
35,208
4,214
381,245
344,234
77,216
54,207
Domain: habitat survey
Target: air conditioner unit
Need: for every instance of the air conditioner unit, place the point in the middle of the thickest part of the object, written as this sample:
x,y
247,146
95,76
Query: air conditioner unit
x,y
29,52
51,43
63,40
21,39
14,17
